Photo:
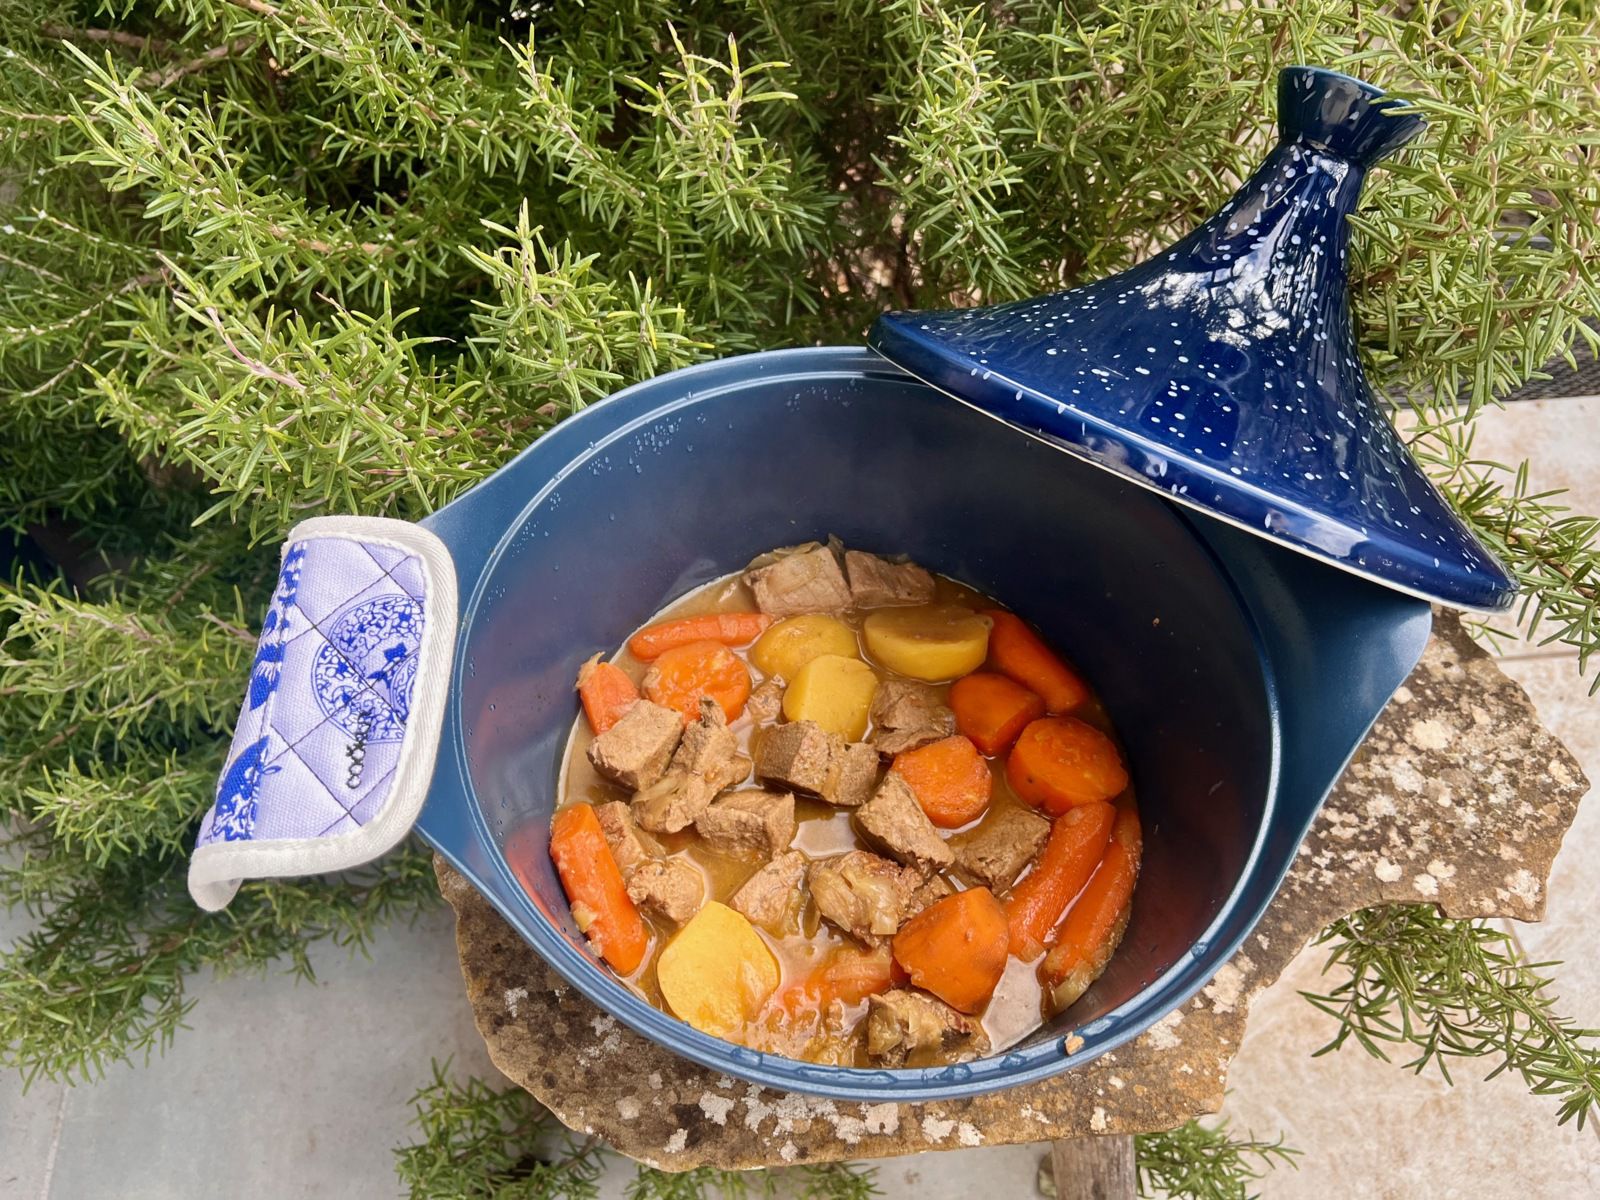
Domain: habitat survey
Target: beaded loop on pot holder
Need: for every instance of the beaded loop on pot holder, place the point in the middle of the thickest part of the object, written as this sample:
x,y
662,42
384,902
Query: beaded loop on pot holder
x,y
336,740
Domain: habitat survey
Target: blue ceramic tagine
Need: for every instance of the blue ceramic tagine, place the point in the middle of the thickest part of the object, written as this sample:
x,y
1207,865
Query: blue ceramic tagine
x,y
1224,371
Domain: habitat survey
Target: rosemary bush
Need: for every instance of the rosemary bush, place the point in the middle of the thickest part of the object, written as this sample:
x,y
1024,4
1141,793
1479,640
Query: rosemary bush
x,y
261,259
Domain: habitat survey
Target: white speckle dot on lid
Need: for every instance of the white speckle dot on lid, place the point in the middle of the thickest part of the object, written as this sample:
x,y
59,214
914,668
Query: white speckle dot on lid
x,y
1052,350
1142,370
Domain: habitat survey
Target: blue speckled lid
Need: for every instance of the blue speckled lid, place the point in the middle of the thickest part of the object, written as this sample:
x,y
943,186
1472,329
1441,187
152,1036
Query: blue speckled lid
x,y
1224,371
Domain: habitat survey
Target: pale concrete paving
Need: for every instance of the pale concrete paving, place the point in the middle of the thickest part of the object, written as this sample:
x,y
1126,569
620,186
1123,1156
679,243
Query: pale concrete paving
x,y
293,1090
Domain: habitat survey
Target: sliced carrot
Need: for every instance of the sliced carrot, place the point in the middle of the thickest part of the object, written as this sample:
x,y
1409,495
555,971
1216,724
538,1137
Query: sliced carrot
x,y
949,778
1094,926
681,675
1061,761
956,948
993,709
848,976
1017,651
594,888
730,628
606,692
1077,841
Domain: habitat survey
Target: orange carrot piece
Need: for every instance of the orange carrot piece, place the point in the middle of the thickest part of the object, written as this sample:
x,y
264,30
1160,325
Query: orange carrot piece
x,y
1094,926
848,976
993,709
606,692
949,778
1017,651
956,948
1077,842
594,888
681,675
1061,761
731,629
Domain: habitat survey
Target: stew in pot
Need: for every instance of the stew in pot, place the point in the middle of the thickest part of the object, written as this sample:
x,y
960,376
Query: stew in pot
x,y
842,809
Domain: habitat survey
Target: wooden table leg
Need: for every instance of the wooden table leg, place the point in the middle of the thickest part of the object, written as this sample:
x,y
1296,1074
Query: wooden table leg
x,y
1094,1168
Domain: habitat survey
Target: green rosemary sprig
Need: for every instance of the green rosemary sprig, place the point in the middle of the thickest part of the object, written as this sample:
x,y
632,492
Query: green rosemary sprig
x,y
1205,1162
1444,990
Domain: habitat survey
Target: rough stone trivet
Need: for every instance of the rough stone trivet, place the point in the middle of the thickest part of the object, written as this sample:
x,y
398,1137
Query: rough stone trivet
x,y
1459,797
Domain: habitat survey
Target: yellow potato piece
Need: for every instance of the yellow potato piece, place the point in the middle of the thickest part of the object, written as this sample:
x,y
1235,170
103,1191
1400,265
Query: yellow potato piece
x,y
717,973
835,692
790,644
931,642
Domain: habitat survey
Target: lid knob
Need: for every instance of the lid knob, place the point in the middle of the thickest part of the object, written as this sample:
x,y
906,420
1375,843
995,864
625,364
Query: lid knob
x,y
1341,115
1224,371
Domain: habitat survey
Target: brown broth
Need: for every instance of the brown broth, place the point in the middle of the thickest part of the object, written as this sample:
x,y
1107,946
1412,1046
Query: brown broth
x,y
1019,1004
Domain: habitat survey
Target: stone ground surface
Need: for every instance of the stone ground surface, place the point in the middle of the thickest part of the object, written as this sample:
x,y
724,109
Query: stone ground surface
x,y
282,1089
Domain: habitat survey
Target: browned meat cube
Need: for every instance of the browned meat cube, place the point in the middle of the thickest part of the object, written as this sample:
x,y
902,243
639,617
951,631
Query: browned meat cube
x,y
907,715
895,821
806,581
877,583
636,750
902,1023
932,889
616,822
771,897
995,854
765,703
707,762
759,822
864,895
852,774
669,888
796,756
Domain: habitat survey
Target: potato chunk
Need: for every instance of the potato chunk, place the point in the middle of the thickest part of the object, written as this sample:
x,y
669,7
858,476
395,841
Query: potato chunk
x,y
716,973
931,642
790,644
835,692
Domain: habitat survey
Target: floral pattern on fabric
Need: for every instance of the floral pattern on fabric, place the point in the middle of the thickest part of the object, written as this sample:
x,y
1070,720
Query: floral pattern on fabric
x,y
363,674
329,695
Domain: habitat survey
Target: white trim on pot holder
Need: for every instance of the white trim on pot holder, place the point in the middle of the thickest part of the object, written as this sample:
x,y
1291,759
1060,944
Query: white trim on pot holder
x,y
221,862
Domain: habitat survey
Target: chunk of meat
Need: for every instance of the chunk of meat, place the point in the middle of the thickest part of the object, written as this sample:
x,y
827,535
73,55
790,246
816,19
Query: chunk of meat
x,y
902,1023
804,581
996,853
906,716
765,703
616,822
894,820
930,891
863,894
796,756
805,758
707,762
876,582
852,774
669,888
771,897
636,750
762,822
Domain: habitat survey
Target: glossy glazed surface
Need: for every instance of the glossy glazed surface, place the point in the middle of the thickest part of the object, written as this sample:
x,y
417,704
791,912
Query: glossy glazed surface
x,y
1224,371
1215,627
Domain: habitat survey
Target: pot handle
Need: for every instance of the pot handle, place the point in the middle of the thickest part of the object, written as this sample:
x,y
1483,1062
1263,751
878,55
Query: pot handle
x,y
337,738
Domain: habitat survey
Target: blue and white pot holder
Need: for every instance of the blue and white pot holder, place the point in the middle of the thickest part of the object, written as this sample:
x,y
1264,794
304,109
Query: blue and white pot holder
x,y
336,741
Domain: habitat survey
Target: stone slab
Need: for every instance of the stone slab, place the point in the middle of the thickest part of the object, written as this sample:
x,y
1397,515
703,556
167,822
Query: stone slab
x,y
1459,797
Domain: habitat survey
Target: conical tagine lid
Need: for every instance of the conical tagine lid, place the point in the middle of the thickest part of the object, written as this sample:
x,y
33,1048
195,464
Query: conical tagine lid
x,y
1224,373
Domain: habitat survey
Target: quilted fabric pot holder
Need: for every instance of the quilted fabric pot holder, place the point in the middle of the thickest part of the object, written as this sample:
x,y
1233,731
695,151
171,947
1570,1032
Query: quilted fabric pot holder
x,y
335,743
